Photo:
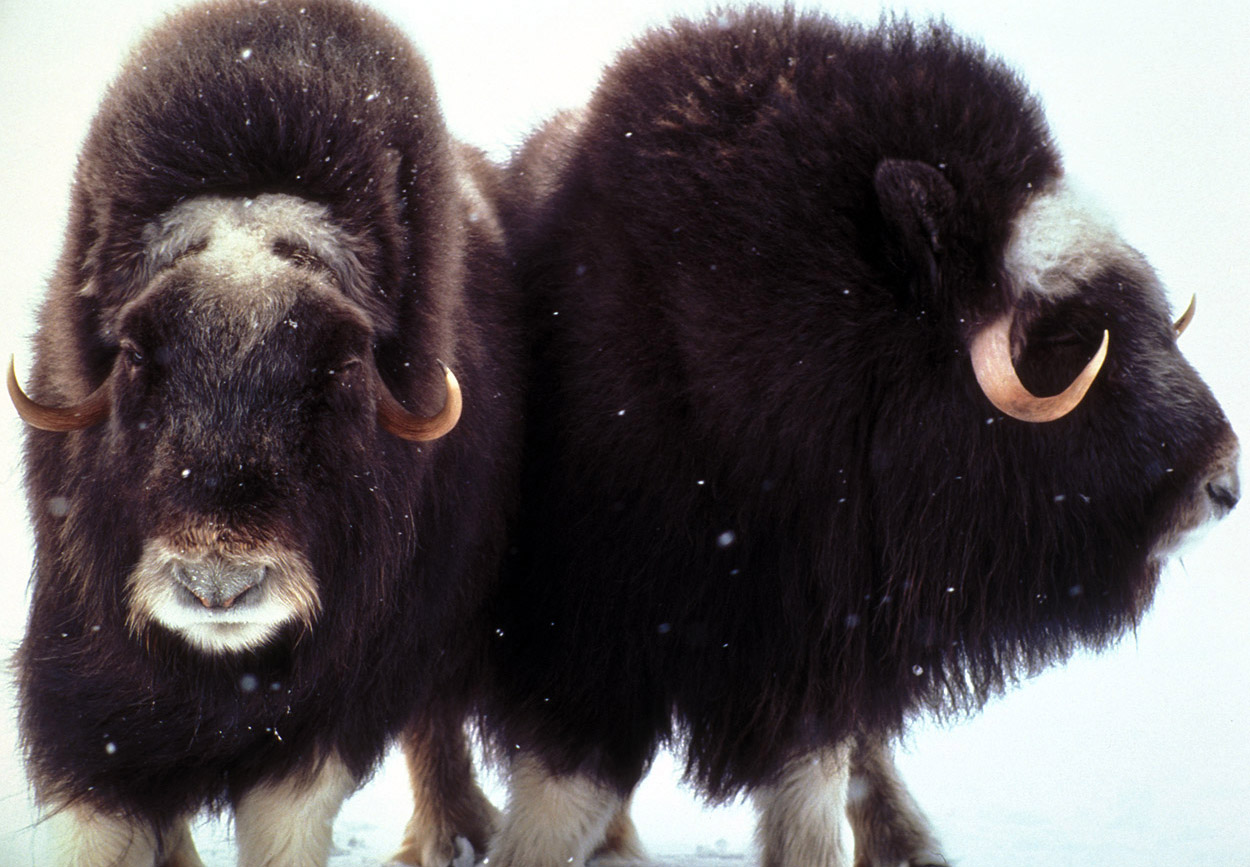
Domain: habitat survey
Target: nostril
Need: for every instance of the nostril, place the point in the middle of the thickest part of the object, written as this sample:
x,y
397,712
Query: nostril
x,y
190,585
218,586
251,589
1225,491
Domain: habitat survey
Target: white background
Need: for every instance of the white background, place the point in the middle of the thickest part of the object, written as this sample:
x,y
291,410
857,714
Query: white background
x,y
1136,757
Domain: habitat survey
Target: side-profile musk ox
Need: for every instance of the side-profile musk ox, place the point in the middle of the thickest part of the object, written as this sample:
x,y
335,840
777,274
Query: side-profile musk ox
x,y
265,521
846,408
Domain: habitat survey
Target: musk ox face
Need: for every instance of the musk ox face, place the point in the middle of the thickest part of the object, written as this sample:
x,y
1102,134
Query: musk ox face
x,y
1079,453
1090,311
242,386
1071,274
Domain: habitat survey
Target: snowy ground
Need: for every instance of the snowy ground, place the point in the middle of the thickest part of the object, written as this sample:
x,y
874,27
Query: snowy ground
x,y
1137,757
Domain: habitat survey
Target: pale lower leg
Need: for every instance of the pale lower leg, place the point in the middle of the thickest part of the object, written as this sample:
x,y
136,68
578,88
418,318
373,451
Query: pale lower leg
x,y
802,814
551,820
288,823
621,844
889,827
82,836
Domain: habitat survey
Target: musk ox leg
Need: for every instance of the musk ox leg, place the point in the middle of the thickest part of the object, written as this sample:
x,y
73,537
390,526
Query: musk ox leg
x,y
801,814
84,837
889,827
288,822
552,820
621,844
181,848
447,802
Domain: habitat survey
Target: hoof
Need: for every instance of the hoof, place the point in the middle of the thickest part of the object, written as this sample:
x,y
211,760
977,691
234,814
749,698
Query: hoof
x,y
461,854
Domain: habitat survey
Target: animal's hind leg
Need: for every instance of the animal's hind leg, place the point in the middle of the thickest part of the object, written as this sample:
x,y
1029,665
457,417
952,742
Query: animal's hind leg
x,y
889,827
447,802
180,848
802,812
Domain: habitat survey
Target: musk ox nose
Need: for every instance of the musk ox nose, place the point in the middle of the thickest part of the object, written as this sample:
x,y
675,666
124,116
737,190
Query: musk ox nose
x,y
1225,491
218,585
1224,487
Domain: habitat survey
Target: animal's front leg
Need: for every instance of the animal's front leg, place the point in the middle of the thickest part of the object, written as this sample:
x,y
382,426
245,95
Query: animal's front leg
x,y
554,820
447,802
801,814
288,822
83,836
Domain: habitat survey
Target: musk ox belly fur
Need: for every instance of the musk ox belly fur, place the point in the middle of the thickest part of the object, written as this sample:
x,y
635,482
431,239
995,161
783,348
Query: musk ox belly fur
x,y
265,522
769,509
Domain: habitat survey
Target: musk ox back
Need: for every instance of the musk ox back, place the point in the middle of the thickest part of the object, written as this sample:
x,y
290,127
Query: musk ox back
x,y
846,407
265,519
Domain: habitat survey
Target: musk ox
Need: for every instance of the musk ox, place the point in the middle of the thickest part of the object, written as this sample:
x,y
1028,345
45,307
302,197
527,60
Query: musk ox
x,y
265,520
846,407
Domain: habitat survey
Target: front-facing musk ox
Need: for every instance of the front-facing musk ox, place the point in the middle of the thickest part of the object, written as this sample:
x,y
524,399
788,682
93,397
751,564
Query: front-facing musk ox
x,y
265,519
846,407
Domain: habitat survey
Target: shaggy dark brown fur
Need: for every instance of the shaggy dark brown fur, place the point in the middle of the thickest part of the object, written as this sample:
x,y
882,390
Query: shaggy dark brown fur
x,y
765,497
324,101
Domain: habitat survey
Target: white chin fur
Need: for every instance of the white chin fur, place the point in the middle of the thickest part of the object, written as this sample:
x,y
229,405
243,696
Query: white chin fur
x,y
1192,527
224,631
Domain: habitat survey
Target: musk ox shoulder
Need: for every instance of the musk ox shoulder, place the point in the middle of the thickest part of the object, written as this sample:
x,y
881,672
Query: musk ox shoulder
x,y
266,519
846,408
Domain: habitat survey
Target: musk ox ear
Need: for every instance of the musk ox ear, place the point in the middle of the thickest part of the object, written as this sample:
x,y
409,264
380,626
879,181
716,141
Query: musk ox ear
x,y
916,202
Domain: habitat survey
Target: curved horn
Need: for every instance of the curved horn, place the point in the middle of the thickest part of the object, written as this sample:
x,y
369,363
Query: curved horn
x,y
991,362
91,411
1187,316
403,424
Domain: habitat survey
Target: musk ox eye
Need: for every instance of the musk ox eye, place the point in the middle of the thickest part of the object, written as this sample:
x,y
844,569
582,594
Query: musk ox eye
x,y
343,368
1068,341
1053,356
132,356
